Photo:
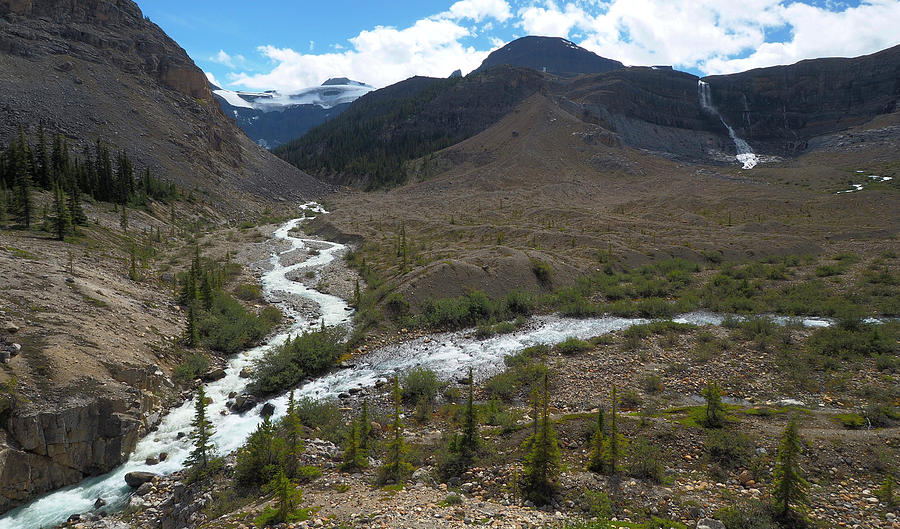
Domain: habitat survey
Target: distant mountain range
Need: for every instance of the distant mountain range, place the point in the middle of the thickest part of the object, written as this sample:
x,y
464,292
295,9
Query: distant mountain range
x,y
272,118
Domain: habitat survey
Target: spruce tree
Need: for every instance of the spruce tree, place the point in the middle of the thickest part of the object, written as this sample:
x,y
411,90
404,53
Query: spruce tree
x,y
789,489
365,426
76,212
596,463
206,293
61,222
715,410
614,444
469,441
42,166
261,457
24,204
396,467
354,455
293,436
287,497
542,461
201,434
191,338
123,219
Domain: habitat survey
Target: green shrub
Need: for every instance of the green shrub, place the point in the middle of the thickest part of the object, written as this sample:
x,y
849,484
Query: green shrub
x,y
542,271
751,515
418,384
452,499
248,292
309,354
192,367
598,504
828,270
728,449
653,383
852,421
228,327
863,341
572,345
520,302
645,461
322,415
522,373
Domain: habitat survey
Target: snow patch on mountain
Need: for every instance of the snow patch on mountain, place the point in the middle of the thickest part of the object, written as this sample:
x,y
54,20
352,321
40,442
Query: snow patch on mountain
x,y
332,93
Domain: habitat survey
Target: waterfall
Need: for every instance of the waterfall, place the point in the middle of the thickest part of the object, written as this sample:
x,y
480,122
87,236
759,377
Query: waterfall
x,y
745,154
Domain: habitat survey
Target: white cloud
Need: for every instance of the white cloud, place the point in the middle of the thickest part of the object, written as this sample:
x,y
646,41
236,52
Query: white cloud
x,y
212,78
227,60
711,35
379,56
478,10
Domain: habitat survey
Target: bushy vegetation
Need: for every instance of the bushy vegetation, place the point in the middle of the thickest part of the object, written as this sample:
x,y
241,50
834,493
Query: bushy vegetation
x,y
286,365
419,384
524,371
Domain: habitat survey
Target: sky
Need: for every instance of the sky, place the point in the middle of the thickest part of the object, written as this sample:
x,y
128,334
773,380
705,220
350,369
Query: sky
x,y
288,45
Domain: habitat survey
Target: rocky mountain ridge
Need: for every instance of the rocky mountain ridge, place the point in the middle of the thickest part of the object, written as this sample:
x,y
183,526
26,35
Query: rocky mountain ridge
x,y
100,70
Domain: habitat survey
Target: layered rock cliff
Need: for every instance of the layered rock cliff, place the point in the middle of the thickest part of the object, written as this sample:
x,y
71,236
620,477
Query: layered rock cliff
x,y
99,69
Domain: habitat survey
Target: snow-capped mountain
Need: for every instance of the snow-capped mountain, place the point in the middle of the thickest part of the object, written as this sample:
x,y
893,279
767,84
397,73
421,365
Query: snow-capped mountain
x,y
271,118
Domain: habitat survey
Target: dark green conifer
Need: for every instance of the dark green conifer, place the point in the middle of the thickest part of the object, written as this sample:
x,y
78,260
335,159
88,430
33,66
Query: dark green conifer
x,y
790,491
61,221
542,461
201,433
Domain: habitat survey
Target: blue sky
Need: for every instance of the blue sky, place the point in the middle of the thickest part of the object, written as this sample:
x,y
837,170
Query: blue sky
x,y
288,45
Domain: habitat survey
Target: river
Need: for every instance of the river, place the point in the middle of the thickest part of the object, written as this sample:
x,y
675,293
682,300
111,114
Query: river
x,y
448,354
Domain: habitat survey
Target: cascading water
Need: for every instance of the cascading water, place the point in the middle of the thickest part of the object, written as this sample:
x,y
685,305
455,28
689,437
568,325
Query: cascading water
x,y
449,354
231,429
745,154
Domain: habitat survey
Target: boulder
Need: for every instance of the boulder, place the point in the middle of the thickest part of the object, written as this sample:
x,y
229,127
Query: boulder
x,y
144,489
99,503
163,456
246,372
709,523
10,327
214,374
267,410
151,461
243,403
138,478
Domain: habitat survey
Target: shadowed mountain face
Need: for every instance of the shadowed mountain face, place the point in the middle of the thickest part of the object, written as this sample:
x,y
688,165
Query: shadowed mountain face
x,y
551,55
778,111
97,69
782,107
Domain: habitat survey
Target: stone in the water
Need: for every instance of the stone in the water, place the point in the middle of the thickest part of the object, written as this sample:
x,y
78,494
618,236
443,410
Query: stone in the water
x,y
163,456
151,461
144,489
267,410
213,375
99,503
138,478
243,403
246,372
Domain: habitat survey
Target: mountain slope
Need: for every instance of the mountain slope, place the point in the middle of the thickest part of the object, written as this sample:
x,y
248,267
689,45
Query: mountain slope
x,y
549,54
273,118
371,141
98,69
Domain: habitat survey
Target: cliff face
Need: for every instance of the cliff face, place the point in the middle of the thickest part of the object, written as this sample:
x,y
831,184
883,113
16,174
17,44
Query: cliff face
x,y
98,69
783,107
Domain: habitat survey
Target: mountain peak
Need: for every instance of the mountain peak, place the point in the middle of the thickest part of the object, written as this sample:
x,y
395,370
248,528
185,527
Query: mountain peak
x,y
342,81
553,55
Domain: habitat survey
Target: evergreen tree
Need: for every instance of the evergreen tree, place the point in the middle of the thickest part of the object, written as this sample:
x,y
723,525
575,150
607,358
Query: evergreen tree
x,y
614,444
43,167
356,294
789,488
206,292
201,434
24,204
354,455
287,497
542,461
886,491
597,463
124,178
469,441
76,213
262,456
365,426
293,437
715,410
191,338
396,467
61,222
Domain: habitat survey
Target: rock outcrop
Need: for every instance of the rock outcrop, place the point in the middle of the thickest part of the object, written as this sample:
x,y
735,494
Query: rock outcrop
x,y
98,69
549,54
87,430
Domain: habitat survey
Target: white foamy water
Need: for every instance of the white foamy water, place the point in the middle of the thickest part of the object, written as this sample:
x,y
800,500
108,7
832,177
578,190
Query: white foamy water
x,y
745,153
449,354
